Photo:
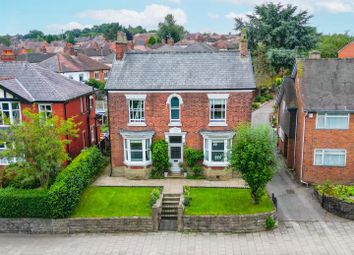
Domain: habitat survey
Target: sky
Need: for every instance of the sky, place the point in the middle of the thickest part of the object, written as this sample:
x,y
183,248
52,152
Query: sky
x,y
51,16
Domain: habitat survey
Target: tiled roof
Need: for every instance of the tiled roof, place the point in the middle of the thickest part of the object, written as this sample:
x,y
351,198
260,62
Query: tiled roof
x,y
64,63
35,83
93,52
327,84
182,71
34,57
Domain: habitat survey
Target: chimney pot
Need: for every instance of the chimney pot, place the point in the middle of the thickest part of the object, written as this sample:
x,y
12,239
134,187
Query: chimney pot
x,y
121,45
315,54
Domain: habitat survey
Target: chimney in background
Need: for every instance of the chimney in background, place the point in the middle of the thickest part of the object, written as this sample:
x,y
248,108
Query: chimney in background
x,y
7,56
243,43
171,41
69,49
121,45
315,54
130,45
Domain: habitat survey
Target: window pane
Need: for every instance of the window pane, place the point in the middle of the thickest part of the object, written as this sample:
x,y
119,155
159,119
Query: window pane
x,y
206,154
217,145
15,106
174,102
175,152
5,106
136,145
318,158
174,114
16,116
175,139
217,156
136,155
320,121
337,122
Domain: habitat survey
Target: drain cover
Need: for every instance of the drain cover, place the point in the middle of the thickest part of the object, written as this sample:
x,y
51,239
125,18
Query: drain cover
x,y
290,191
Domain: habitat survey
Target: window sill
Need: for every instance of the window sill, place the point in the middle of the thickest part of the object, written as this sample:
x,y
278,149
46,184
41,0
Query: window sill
x,y
332,128
140,163
217,124
217,164
137,124
175,124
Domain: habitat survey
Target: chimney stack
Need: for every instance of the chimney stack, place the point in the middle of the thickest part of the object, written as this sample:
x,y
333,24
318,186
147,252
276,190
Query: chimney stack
x,y
130,45
315,54
69,49
7,56
171,41
121,45
243,43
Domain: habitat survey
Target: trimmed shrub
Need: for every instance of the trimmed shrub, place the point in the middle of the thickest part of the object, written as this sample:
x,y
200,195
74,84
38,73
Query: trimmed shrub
x,y
154,196
270,223
65,193
160,159
23,203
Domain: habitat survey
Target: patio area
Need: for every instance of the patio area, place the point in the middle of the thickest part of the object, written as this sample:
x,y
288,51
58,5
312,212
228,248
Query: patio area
x,y
170,186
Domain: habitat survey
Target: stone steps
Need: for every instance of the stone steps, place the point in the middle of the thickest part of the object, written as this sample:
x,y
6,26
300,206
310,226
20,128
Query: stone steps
x,y
169,212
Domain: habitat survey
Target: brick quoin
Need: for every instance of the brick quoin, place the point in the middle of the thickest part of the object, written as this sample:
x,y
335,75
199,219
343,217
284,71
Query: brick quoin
x,y
194,117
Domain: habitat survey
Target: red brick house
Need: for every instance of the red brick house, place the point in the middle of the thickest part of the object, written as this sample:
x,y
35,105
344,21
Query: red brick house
x,y
24,85
347,51
316,122
188,98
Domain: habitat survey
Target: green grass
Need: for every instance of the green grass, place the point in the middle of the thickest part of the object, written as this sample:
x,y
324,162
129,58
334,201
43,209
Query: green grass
x,y
225,201
114,202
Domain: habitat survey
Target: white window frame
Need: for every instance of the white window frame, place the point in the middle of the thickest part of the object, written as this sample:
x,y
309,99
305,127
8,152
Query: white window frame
x,y
105,74
208,138
10,111
136,97
146,140
212,98
329,151
336,116
96,75
175,122
93,138
45,112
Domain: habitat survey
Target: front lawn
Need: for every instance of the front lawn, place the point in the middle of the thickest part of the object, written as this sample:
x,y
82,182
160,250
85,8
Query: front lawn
x,y
225,201
114,202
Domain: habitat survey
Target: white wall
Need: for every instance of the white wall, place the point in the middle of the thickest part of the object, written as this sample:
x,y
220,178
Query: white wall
x,y
76,75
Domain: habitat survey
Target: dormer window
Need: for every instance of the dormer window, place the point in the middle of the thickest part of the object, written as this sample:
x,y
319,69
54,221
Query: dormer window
x,y
175,102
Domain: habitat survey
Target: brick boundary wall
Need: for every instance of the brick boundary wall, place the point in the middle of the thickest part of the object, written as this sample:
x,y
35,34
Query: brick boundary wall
x,y
76,225
336,206
227,223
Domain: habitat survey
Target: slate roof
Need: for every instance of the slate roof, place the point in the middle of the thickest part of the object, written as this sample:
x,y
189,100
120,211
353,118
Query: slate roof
x,y
287,89
182,71
37,84
194,47
34,57
327,84
93,52
64,63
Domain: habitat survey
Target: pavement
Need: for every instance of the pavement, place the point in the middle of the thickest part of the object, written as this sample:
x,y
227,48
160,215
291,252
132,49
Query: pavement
x,y
304,228
262,115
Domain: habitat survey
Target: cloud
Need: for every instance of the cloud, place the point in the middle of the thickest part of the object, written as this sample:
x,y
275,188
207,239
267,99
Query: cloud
x,y
212,15
334,6
149,17
55,28
233,15
174,1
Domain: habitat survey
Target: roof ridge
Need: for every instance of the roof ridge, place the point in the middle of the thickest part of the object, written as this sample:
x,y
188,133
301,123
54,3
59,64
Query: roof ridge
x,y
45,79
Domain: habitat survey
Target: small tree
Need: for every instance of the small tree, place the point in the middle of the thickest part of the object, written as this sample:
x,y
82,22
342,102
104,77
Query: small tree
x,y
38,144
254,154
169,28
151,41
160,159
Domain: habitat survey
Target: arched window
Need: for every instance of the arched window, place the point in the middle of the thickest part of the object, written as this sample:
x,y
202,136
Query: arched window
x,y
175,115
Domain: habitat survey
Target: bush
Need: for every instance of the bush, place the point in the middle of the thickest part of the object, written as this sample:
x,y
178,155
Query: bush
x,y
270,223
62,197
160,159
341,192
20,176
192,162
255,105
23,203
187,196
65,193
154,196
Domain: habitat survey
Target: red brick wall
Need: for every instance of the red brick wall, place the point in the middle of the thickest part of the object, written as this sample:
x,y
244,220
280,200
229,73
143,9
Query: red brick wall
x,y
347,51
194,117
101,75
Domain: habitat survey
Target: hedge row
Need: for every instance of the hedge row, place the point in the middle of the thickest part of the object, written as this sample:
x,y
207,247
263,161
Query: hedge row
x,y
62,197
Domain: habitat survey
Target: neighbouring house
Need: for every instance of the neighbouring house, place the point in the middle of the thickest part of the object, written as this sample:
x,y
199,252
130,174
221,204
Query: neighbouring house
x,y
34,57
7,55
24,85
347,51
316,120
188,98
76,66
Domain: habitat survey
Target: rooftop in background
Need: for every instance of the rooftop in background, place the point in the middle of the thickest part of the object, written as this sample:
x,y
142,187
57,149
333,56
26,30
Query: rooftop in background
x,y
34,57
182,70
36,84
64,63
327,84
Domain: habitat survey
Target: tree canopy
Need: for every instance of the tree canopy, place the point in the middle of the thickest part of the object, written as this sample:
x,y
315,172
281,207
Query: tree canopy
x,y
329,45
5,40
169,28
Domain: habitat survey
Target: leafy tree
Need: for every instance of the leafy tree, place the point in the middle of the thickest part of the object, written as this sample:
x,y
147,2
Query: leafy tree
x,y
169,28
254,155
96,84
262,68
329,45
136,30
110,31
281,59
50,38
34,35
38,144
5,40
70,38
151,41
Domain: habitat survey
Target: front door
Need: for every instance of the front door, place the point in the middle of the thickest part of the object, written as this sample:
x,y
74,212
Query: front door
x,y
175,147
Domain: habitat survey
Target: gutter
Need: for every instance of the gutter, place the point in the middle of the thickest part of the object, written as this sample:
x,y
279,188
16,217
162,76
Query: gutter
x,y
302,149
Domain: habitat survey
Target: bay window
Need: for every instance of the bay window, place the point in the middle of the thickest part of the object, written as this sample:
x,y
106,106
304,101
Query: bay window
x,y
217,148
217,109
332,120
10,113
330,157
137,147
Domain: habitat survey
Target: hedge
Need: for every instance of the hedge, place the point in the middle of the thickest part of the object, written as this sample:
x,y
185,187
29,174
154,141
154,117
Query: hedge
x,y
61,198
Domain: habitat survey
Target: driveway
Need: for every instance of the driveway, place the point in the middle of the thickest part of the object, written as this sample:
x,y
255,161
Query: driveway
x,y
262,115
